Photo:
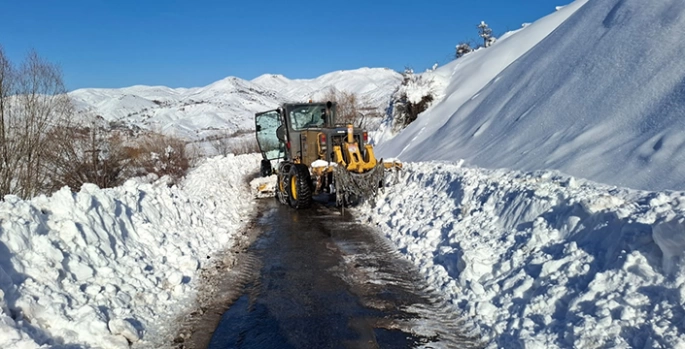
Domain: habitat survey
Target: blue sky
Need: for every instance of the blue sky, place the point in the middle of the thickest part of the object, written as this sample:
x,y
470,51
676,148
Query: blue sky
x,y
117,43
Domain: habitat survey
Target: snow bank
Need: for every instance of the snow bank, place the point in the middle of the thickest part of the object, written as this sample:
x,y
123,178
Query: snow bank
x,y
541,260
105,267
600,97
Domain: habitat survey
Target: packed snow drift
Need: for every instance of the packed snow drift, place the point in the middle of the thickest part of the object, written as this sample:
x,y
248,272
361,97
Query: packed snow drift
x,y
104,268
600,97
542,260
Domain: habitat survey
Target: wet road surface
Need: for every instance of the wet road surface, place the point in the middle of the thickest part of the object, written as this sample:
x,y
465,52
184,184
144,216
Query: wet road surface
x,y
325,281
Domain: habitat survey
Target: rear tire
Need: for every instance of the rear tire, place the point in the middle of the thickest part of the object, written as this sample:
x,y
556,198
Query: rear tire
x,y
299,186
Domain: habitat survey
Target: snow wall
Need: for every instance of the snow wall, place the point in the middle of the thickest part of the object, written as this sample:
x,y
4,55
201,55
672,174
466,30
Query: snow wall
x,y
543,260
109,267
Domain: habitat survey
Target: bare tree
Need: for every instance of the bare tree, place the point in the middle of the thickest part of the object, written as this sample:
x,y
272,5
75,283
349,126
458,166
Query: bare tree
x,y
350,108
32,100
223,144
86,154
42,102
162,155
6,92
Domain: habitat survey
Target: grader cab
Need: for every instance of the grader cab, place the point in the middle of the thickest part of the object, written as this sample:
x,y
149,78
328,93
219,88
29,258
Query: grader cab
x,y
317,155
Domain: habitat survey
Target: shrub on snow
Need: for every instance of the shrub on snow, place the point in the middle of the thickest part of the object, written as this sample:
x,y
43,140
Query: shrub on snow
x,y
414,95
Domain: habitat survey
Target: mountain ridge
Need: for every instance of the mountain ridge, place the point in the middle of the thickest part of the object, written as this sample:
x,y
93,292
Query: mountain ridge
x,y
226,105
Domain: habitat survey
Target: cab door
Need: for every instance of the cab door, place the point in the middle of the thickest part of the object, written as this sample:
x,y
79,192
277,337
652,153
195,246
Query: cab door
x,y
267,124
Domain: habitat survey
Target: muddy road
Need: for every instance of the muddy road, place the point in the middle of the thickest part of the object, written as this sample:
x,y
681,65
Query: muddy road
x,y
318,279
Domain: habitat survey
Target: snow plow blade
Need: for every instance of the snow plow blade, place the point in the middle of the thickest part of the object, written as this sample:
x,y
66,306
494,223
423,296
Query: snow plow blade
x,y
352,186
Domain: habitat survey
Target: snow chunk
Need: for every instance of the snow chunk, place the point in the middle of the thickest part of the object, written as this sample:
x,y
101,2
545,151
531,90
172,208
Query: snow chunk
x,y
670,237
125,329
323,163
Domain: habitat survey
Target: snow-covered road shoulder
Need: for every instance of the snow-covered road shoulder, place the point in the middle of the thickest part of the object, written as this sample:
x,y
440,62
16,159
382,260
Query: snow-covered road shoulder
x,y
542,260
105,268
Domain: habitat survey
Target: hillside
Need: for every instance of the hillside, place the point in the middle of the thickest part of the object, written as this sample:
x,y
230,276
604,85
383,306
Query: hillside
x,y
227,105
599,98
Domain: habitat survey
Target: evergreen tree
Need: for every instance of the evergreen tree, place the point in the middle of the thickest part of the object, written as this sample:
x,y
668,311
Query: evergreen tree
x,y
485,32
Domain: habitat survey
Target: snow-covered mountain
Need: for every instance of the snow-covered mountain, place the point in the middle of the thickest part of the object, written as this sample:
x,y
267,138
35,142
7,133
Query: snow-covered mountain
x,y
375,85
227,105
601,98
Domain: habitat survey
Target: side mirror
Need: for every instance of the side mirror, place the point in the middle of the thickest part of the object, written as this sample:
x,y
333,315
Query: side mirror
x,y
280,133
259,128
360,118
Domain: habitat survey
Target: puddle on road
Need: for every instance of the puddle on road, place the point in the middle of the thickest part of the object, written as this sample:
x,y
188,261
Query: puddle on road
x,y
328,282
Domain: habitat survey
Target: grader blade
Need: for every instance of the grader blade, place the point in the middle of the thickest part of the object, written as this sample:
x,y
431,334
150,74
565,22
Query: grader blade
x,y
264,187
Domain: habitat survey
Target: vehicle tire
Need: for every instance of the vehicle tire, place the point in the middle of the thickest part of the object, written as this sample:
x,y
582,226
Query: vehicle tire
x,y
281,190
265,168
299,186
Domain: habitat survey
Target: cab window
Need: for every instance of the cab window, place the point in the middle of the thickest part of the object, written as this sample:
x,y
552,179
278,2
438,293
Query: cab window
x,y
307,116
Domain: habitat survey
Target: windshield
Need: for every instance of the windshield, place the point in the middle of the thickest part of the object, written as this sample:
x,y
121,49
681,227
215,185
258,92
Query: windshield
x,y
307,116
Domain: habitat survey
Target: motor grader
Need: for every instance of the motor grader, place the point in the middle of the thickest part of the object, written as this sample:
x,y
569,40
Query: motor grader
x,y
316,155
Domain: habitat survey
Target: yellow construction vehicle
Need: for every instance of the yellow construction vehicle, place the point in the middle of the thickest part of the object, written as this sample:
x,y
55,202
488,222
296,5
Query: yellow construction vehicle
x,y
316,155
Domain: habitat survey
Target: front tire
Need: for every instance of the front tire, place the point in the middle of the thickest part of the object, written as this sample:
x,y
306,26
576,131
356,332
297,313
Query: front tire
x,y
281,193
298,184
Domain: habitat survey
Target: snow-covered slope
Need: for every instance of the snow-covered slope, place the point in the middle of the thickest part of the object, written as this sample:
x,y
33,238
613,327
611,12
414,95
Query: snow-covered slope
x,y
228,104
542,260
601,97
104,267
